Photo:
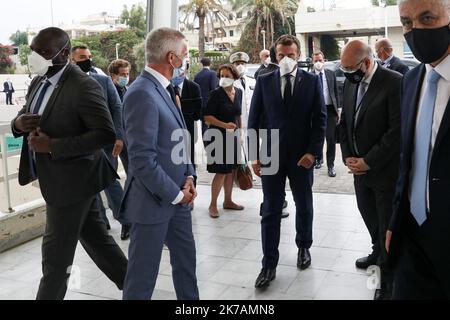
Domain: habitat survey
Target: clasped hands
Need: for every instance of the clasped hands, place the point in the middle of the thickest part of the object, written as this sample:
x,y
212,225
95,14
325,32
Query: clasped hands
x,y
189,192
357,166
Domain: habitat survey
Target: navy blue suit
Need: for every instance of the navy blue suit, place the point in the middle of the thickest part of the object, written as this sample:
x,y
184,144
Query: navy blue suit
x,y
421,254
154,181
114,192
208,81
301,130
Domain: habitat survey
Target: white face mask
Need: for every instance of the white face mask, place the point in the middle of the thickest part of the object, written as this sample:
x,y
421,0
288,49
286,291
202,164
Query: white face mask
x,y
242,69
226,82
319,66
287,65
39,65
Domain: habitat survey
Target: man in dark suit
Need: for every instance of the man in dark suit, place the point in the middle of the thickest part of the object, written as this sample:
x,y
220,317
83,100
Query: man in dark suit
x,y
330,95
65,124
8,89
385,53
264,56
82,57
189,95
419,236
291,101
370,131
208,81
272,66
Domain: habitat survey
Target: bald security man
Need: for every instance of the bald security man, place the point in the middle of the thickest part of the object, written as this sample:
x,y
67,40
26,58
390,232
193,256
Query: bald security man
x,y
385,52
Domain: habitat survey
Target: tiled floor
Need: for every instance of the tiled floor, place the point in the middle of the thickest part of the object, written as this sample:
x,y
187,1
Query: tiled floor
x,y
228,257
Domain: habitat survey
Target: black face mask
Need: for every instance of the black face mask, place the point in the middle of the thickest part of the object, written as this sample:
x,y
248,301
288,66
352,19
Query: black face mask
x,y
85,65
355,77
428,45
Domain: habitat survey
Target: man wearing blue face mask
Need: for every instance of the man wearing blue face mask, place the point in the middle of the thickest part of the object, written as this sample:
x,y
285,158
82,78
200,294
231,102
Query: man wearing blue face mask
x,y
370,131
189,95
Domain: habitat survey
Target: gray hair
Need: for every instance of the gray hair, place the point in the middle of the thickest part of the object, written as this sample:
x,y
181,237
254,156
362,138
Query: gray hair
x,y
160,42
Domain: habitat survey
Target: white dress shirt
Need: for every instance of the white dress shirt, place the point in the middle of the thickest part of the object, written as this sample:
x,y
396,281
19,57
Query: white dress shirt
x,y
165,83
442,99
53,85
283,82
326,90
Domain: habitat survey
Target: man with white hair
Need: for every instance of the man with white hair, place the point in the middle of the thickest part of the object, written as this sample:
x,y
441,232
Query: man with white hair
x,y
418,239
385,53
264,55
159,191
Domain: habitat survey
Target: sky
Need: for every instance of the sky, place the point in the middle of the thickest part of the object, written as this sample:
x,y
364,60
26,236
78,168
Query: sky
x,y
36,14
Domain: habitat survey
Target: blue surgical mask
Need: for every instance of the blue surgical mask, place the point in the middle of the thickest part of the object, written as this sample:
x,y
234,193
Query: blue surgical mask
x,y
123,81
179,72
176,81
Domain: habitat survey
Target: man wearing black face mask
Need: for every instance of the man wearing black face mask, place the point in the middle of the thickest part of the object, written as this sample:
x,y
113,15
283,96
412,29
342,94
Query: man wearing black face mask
x,y
82,57
370,131
419,236
66,123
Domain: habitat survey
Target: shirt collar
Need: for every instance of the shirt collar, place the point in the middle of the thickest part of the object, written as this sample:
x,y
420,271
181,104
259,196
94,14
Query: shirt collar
x,y
55,78
388,60
442,68
293,73
370,77
161,79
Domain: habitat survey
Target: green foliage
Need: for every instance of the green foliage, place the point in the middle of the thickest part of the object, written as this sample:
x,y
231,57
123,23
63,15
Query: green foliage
x,y
19,38
6,63
388,2
24,51
103,48
135,18
139,54
330,48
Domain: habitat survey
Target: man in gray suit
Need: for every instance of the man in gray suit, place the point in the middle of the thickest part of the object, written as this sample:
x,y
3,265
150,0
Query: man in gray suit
x,y
159,191
66,124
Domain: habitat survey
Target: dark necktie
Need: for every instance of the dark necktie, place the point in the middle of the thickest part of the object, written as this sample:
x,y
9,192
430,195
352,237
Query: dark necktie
x,y
321,78
37,107
287,98
243,83
176,89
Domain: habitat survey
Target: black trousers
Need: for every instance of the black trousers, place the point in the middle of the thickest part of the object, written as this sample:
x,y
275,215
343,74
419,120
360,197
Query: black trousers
x,y
332,120
301,181
375,206
65,226
9,98
415,274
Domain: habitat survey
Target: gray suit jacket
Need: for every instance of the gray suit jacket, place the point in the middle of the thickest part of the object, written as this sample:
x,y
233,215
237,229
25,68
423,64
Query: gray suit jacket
x,y
78,122
154,179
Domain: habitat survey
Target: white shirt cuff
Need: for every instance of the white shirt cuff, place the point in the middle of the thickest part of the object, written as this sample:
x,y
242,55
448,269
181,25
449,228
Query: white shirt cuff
x,y
179,198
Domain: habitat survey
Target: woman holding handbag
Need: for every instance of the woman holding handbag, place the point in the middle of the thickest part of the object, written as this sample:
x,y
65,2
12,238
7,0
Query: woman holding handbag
x,y
222,114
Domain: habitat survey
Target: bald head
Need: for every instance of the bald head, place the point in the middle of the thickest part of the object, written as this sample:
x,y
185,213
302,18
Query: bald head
x,y
354,52
383,48
264,54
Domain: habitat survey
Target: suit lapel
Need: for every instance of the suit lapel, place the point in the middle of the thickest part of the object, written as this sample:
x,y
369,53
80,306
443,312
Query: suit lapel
x,y
33,93
277,86
352,96
56,92
445,125
297,89
371,93
165,95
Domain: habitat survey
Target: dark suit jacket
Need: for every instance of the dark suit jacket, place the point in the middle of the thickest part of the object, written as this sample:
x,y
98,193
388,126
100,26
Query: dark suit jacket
x,y
397,65
378,127
191,104
435,233
112,101
6,87
332,88
261,68
78,121
208,81
301,125
270,68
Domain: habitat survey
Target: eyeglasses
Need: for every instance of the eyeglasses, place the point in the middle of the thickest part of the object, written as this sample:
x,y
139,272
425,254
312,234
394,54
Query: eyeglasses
x,y
352,70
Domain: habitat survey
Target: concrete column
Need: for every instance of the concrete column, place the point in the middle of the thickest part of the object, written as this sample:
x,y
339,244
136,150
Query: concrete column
x,y
303,37
162,13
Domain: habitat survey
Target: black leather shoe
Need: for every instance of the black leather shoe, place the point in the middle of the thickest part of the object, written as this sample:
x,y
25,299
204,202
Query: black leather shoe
x,y
265,277
284,215
303,259
365,262
108,226
331,172
385,293
285,204
318,164
125,233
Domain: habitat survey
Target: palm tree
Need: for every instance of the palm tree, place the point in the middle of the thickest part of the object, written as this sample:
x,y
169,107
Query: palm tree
x,y
205,11
265,13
